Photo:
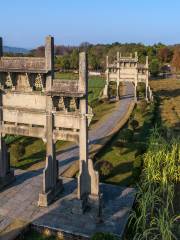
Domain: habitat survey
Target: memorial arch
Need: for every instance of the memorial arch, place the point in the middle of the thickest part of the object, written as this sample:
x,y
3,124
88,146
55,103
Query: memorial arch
x,y
34,103
127,69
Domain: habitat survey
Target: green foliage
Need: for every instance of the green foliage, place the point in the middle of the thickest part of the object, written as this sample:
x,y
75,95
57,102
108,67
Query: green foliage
x,y
153,215
154,67
126,135
33,235
134,124
142,105
10,139
104,168
138,162
67,57
103,236
141,88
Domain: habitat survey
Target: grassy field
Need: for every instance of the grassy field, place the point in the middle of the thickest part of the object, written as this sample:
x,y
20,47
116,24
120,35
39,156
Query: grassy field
x,y
125,151
168,91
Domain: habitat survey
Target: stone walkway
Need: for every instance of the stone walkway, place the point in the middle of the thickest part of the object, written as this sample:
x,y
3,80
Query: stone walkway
x,y
19,202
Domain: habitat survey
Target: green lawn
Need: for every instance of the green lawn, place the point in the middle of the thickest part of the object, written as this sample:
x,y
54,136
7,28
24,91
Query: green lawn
x,y
125,157
34,152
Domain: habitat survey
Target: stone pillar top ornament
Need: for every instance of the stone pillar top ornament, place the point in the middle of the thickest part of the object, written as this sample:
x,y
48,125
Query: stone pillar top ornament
x,y
83,73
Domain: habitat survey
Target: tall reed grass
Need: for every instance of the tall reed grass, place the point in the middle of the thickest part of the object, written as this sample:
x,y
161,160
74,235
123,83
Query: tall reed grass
x,y
153,217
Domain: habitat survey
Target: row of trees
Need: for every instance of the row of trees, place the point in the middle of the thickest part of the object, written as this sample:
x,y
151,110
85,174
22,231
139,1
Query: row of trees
x,y
160,55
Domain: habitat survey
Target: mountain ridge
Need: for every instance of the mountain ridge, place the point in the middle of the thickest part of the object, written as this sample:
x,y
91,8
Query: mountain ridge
x,y
8,49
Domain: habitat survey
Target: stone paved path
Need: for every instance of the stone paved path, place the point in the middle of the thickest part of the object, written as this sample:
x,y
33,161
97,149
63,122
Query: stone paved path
x,y
19,202
71,154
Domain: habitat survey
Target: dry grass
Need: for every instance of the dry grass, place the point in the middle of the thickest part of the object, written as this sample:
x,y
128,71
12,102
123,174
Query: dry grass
x,y
169,92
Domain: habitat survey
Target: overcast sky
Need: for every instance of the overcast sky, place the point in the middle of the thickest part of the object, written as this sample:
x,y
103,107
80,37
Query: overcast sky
x,y
25,23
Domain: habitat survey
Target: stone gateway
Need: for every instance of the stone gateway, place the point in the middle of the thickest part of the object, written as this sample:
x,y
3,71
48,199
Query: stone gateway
x,y
34,103
128,69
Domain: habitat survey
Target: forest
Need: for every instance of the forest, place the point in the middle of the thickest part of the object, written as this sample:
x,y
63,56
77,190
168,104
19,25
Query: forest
x,y
162,58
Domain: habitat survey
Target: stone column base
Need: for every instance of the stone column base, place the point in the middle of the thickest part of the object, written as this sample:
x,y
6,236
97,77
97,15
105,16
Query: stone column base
x,y
95,204
79,206
105,92
8,179
92,204
47,198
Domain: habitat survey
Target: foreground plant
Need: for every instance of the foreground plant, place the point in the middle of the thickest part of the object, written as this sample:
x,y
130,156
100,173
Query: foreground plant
x,y
154,217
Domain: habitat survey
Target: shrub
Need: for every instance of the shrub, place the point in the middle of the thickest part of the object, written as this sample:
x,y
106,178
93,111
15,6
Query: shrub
x,y
9,139
120,144
17,151
141,150
137,167
142,106
138,162
103,236
141,90
134,124
104,168
126,135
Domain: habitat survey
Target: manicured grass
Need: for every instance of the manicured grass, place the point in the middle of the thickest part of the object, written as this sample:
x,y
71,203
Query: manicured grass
x,y
34,152
125,157
101,110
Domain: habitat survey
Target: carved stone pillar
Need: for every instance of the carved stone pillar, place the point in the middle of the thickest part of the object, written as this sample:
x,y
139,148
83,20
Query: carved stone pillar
x,y
49,57
88,179
105,90
6,174
147,79
118,74
51,184
135,86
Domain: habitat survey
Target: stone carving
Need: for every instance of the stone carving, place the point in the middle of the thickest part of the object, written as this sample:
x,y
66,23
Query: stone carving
x,y
8,82
38,83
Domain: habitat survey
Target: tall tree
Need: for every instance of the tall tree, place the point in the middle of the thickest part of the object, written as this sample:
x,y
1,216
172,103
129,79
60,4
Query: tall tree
x,y
176,59
165,54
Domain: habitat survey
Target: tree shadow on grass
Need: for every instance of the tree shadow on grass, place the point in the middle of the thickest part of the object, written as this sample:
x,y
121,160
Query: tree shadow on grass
x,y
168,93
35,158
27,141
122,168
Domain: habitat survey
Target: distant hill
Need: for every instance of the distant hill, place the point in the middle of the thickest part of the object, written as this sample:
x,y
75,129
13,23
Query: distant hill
x,y
7,49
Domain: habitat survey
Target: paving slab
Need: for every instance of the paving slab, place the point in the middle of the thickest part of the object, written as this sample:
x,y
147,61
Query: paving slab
x,y
22,206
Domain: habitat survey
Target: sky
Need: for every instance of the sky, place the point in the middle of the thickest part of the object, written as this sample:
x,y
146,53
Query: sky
x,y
25,23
